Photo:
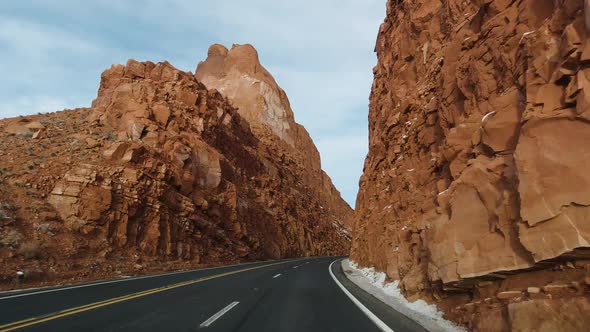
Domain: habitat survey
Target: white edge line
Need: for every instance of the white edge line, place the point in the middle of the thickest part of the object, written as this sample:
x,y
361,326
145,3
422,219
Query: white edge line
x,y
278,275
382,326
124,279
219,314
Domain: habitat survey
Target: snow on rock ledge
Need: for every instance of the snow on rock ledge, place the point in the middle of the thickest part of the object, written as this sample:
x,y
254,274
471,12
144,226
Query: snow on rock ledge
x,y
421,312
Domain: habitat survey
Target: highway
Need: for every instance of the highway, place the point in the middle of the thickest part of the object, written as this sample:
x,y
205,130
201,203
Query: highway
x,y
287,295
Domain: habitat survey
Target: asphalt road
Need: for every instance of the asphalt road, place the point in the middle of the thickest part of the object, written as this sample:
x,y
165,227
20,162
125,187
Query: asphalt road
x,y
289,295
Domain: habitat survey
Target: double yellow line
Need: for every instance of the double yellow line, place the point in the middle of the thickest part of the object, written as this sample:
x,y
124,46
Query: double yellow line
x,y
67,312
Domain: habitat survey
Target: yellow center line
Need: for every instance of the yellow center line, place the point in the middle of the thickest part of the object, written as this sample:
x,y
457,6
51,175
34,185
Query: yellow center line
x,y
67,312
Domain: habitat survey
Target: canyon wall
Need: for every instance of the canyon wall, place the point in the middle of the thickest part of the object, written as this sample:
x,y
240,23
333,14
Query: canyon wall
x,y
159,174
238,75
475,192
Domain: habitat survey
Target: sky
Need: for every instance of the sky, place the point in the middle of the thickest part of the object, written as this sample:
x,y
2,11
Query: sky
x,y
320,52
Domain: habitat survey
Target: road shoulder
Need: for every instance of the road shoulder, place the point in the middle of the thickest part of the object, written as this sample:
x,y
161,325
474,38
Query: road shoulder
x,y
393,319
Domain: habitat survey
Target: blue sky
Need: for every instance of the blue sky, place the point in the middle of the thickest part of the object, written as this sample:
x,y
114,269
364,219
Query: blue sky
x,y
320,52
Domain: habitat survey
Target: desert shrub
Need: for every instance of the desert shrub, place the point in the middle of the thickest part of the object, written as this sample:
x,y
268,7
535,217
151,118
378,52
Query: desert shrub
x,y
30,250
25,134
7,206
10,238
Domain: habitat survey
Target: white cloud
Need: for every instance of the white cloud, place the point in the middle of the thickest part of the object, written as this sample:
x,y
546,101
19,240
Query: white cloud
x,y
30,39
345,162
326,101
35,104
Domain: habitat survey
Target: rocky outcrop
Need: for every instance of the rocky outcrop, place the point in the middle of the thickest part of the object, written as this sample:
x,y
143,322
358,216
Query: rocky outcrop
x,y
160,173
238,75
475,187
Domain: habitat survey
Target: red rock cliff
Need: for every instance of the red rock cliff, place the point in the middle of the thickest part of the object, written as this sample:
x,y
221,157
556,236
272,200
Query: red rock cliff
x,y
238,75
475,192
160,173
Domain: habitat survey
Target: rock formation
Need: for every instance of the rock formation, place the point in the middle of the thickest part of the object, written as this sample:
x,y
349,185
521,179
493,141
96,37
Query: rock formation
x,y
238,75
475,192
160,173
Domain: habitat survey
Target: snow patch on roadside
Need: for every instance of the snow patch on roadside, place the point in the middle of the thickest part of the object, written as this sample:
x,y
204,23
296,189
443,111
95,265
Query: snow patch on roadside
x,y
421,312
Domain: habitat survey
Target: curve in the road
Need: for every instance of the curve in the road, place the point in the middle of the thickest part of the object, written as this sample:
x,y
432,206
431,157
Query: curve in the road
x,y
289,295
37,320
380,324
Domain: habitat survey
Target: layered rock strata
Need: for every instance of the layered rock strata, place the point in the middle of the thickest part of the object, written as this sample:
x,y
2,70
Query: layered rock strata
x,y
238,75
160,173
475,188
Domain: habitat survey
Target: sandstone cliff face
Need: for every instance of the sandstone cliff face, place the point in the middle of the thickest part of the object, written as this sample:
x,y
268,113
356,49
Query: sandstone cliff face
x,y
238,75
160,173
475,192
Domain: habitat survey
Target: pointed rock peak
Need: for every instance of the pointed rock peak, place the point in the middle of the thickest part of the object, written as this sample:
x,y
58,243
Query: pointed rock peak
x,y
244,58
217,50
238,75
240,58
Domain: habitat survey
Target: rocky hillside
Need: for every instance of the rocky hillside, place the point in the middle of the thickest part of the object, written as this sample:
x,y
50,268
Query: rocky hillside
x,y
160,173
475,193
238,75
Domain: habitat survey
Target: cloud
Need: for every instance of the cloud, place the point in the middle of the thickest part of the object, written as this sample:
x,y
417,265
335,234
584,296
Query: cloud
x,y
38,41
320,52
34,104
346,161
326,102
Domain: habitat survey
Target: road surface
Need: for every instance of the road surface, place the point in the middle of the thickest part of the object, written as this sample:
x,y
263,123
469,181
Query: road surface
x,y
288,295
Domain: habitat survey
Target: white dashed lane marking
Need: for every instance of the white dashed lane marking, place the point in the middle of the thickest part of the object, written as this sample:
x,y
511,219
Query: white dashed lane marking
x,y
219,314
